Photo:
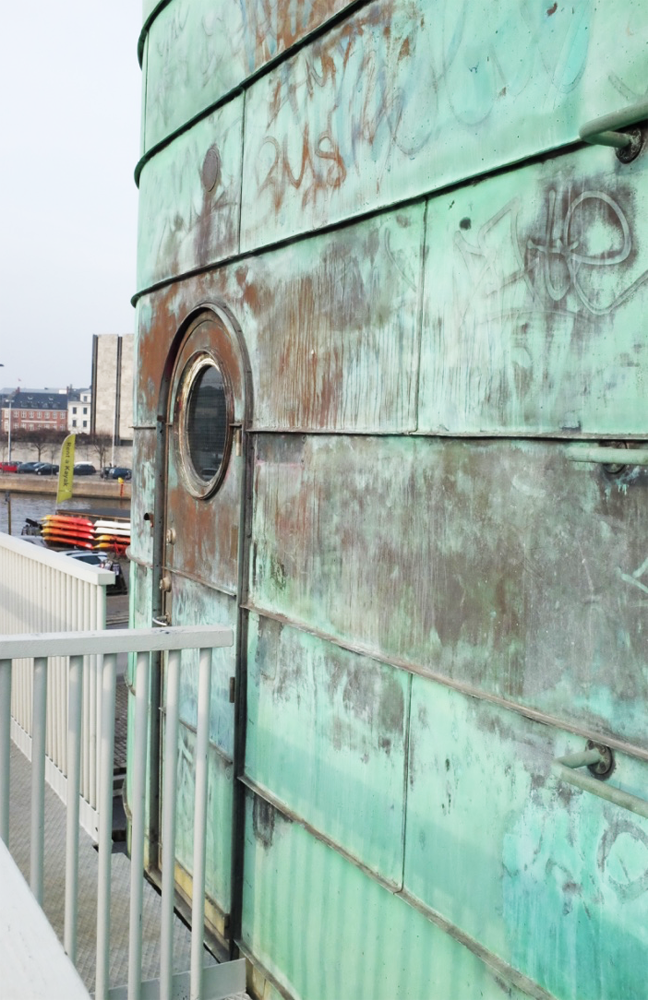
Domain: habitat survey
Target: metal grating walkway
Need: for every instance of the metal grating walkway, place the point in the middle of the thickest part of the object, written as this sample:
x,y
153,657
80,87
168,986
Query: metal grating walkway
x,y
54,889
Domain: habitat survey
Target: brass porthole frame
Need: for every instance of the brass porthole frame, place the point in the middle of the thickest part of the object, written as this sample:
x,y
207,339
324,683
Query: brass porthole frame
x,y
198,487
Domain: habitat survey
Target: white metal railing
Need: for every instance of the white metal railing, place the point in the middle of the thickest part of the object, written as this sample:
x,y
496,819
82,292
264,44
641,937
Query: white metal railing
x,y
44,591
40,649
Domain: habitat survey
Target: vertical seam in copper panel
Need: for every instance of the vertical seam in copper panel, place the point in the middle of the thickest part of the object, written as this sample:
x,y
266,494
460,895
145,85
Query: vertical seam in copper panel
x,y
406,769
240,193
237,854
145,72
419,318
146,27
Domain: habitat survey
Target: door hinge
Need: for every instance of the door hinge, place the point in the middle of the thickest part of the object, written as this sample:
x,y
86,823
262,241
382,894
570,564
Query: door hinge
x,y
232,690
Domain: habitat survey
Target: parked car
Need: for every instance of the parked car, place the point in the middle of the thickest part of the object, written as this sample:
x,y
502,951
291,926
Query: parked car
x,y
47,469
102,561
117,472
28,467
84,469
8,466
93,558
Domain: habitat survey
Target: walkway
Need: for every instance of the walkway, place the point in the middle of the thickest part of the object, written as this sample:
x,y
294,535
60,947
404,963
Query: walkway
x,y
54,891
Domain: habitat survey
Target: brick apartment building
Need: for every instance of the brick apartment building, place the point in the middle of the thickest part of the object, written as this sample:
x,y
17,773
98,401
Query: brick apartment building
x,y
32,411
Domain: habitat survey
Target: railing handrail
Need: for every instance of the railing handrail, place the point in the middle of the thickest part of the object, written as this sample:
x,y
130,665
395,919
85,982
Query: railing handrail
x,y
58,561
105,641
106,644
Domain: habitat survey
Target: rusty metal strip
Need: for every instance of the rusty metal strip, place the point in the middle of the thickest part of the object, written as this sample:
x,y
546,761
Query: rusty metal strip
x,y
263,793
547,437
260,967
227,591
498,966
182,905
333,227
630,749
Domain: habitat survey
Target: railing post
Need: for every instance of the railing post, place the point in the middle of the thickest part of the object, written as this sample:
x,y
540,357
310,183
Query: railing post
x,y
106,752
39,724
75,691
5,747
200,826
138,825
169,824
42,648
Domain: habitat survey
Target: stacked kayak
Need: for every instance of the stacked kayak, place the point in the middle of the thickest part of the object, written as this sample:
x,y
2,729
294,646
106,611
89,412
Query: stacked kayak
x,y
71,531
112,535
61,530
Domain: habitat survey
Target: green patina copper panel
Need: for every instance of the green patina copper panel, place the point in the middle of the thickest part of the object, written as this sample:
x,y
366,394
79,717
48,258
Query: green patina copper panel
x,y
143,493
143,101
333,345
189,198
501,565
403,98
550,878
199,50
323,929
219,812
148,6
327,733
535,296
195,604
139,595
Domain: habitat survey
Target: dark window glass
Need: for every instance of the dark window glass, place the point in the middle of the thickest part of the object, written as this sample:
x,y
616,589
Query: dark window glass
x,y
207,422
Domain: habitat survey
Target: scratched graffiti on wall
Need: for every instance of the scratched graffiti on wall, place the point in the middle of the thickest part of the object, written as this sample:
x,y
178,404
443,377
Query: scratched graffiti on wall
x,y
201,49
527,315
395,102
189,198
592,889
562,262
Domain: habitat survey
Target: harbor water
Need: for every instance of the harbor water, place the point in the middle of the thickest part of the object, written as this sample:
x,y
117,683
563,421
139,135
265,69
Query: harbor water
x,y
25,505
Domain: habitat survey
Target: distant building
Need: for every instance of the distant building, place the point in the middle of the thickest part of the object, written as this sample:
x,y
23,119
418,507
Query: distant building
x,y
30,410
79,411
112,387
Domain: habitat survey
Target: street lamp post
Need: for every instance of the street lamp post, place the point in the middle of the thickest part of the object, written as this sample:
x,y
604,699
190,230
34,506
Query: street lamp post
x,y
9,431
10,423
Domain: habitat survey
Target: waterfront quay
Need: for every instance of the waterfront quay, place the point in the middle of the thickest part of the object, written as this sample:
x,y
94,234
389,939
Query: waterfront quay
x,y
91,487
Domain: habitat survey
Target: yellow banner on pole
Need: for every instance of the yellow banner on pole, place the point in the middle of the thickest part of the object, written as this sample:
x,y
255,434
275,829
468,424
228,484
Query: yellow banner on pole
x,y
66,470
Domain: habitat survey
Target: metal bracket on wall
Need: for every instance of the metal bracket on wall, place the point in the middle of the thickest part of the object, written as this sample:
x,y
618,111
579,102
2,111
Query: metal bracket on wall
x,y
600,761
603,131
603,455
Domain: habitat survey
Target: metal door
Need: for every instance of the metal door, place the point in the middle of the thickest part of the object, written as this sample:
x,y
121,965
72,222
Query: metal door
x,y
201,573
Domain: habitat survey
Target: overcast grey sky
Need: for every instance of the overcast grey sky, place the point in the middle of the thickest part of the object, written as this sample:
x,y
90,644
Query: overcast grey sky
x,y
70,86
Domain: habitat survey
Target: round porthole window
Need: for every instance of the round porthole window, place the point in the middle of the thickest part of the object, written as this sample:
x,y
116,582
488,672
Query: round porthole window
x,y
203,407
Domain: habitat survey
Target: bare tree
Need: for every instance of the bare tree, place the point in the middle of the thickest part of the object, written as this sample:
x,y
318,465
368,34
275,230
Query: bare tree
x,y
41,439
21,437
100,444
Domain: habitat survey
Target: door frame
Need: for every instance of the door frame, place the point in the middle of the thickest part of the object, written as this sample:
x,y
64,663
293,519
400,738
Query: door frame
x,y
222,315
